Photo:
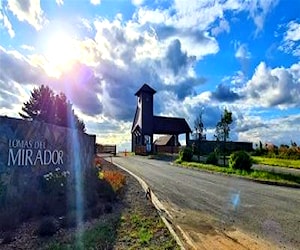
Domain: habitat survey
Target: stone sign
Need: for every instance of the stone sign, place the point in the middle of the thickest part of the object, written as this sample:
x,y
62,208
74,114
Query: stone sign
x,y
42,147
31,153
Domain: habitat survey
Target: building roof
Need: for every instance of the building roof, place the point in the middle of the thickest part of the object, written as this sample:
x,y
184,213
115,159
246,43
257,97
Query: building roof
x,y
163,140
170,125
145,88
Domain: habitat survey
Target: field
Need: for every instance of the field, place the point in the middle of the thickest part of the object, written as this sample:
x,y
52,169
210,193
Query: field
x,y
276,162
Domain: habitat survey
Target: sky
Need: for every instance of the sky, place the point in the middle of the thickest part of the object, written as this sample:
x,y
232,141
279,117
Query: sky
x,y
200,56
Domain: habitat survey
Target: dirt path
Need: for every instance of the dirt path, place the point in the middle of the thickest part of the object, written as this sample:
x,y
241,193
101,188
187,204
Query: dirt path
x,y
201,231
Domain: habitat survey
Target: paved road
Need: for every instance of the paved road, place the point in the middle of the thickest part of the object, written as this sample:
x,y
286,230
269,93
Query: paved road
x,y
220,202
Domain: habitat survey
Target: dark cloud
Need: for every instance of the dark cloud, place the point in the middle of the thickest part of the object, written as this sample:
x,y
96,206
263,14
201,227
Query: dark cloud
x,y
25,5
243,127
121,85
224,94
14,67
176,59
185,88
81,86
165,31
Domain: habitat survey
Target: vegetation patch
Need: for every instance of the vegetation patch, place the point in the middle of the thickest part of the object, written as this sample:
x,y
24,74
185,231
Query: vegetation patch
x,y
101,236
253,174
186,154
114,178
129,222
142,231
240,160
289,163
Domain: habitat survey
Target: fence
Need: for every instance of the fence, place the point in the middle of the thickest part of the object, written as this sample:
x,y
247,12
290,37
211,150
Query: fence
x,y
106,149
207,147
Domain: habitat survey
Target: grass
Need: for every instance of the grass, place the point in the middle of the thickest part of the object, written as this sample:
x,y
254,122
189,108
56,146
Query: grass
x,y
141,230
100,236
276,162
254,174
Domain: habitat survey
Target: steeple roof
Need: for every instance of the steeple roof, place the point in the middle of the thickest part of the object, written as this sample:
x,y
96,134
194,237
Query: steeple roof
x,y
146,89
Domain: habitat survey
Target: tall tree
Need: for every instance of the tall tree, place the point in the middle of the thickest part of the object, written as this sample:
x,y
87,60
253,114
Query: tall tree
x,y
40,105
200,133
223,129
44,105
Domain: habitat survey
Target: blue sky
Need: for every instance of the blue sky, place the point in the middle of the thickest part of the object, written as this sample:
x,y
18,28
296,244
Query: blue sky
x,y
198,55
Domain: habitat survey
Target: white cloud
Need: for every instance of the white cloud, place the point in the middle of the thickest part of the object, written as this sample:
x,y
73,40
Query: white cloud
x,y
278,130
243,55
291,39
86,23
222,27
238,79
137,2
278,87
293,32
6,23
258,11
242,52
27,47
95,2
29,11
59,2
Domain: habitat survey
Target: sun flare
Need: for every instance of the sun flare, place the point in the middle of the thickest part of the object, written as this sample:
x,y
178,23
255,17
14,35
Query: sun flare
x,y
61,52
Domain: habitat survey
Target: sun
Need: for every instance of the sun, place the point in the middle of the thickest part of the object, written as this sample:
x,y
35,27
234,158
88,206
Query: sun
x,y
61,52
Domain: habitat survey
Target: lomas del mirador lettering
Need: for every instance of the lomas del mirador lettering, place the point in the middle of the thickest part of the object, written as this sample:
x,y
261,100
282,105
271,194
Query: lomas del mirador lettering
x,y
31,153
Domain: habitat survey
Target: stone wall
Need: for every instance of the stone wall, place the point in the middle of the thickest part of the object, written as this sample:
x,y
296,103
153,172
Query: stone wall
x,y
35,148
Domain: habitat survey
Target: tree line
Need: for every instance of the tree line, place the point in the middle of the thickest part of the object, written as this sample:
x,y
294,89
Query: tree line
x,y
221,132
45,105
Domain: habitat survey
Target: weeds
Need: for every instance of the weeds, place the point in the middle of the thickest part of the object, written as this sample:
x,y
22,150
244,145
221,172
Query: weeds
x,y
276,162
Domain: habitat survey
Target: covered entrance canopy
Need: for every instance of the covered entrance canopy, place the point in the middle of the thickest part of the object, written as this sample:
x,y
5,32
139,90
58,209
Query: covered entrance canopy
x,y
145,124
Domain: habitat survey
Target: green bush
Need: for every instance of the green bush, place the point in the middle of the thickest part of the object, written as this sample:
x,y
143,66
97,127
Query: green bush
x,y
212,158
240,160
186,154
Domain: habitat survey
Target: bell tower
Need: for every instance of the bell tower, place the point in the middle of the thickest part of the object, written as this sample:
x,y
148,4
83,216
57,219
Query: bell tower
x,y
142,129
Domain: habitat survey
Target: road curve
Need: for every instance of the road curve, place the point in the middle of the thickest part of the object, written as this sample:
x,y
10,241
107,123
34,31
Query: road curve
x,y
211,205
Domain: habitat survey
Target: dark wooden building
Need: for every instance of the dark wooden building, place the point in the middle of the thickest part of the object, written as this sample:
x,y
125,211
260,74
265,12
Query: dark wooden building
x,y
145,124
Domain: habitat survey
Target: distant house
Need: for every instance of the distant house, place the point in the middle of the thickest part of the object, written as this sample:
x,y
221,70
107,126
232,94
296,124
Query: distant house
x,y
167,140
145,124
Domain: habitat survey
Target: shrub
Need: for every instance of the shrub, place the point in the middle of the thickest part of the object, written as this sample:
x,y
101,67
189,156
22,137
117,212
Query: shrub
x,y
96,188
114,178
47,227
186,154
212,158
240,160
55,182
